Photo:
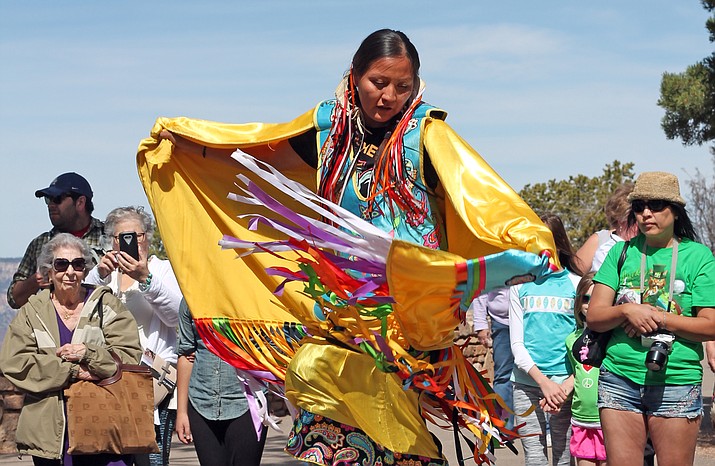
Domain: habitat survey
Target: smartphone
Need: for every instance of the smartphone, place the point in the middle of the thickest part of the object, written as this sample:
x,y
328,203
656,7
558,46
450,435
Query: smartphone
x,y
128,243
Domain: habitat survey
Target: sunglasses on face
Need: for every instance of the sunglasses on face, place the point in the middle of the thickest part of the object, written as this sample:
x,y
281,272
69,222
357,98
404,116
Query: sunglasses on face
x,y
61,265
655,205
586,298
56,199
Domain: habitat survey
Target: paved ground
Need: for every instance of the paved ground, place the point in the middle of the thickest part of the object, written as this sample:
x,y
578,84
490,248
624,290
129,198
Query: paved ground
x,y
184,455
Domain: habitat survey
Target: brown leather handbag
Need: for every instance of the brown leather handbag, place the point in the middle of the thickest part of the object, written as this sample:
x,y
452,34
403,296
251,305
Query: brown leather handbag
x,y
113,415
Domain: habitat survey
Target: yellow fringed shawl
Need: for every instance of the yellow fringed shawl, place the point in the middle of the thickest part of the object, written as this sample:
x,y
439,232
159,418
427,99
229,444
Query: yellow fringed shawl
x,y
188,195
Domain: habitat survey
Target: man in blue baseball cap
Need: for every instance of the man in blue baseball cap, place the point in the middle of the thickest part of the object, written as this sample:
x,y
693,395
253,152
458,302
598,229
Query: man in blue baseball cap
x,y
69,205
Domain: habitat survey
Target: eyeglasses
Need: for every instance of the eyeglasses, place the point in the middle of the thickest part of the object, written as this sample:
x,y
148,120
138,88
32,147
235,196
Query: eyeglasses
x,y
654,205
61,264
56,199
586,298
140,237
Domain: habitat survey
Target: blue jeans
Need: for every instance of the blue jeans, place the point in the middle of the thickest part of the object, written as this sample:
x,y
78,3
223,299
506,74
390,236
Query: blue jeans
x,y
503,366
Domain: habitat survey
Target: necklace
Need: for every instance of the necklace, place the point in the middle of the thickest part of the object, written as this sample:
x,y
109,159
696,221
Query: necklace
x,y
65,312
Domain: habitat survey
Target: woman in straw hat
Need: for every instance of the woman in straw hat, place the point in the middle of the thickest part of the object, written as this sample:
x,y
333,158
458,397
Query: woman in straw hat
x,y
660,309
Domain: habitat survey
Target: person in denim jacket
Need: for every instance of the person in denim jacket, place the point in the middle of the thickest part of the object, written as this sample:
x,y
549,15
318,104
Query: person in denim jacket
x,y
212,408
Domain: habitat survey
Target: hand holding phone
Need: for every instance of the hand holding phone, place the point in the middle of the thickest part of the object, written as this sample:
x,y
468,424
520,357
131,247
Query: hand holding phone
x,y
128,243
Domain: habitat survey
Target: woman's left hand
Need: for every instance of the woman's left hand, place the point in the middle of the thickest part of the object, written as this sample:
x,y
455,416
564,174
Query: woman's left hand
x,y
84,374
137,269
72,352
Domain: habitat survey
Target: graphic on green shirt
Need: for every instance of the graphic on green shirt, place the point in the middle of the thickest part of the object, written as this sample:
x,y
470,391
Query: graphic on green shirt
x,y
655,292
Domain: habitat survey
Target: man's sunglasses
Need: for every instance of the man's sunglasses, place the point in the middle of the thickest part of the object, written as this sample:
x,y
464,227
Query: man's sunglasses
x,y
61,265
654,205
57,199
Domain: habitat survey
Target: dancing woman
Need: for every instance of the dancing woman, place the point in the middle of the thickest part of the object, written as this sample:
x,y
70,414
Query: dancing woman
x,y
379,152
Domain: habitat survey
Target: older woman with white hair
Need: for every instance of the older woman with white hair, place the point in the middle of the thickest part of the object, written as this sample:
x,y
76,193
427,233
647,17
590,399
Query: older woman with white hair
x,y
149,289
60,336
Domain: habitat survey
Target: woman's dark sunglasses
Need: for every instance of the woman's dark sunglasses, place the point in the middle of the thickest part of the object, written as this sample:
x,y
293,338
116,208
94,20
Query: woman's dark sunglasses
x,y
654,205
61,265
586,298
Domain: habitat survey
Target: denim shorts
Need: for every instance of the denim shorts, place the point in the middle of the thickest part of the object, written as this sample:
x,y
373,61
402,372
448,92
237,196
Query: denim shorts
x,y
619,393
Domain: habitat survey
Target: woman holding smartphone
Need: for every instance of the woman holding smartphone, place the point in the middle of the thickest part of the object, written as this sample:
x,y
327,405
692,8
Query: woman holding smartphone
x,y
148,287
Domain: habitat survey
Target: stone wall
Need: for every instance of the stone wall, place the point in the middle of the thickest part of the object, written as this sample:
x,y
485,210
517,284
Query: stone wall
x,y
479,355
9,413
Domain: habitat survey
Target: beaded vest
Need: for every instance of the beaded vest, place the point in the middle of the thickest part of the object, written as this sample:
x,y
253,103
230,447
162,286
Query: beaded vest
x,y
424,228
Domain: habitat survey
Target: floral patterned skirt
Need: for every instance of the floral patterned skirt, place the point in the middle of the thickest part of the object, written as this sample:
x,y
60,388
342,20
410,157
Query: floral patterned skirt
x,y
320,440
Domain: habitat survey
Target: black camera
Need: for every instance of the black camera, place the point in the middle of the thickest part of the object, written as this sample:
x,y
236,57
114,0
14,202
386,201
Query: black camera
x,y
660,344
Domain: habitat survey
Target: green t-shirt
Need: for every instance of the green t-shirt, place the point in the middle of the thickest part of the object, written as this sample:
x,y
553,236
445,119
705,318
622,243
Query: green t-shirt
x,y
584,407
694,286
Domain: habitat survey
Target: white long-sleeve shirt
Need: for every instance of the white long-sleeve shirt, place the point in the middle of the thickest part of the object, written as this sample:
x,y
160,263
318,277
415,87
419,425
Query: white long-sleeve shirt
x,y
156,310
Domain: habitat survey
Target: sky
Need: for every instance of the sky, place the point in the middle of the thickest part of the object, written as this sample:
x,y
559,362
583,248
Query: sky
x,y
542,90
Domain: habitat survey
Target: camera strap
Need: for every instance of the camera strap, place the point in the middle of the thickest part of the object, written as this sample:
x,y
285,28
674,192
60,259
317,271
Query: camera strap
x,y
673,262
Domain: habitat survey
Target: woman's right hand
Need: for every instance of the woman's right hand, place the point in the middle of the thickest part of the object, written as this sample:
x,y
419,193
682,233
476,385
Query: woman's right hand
x,y
484,337
166,134
183,428
84,374
107,264
186,145
641,318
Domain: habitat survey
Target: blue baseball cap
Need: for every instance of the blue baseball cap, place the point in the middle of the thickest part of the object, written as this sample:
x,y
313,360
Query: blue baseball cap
x,y
67,183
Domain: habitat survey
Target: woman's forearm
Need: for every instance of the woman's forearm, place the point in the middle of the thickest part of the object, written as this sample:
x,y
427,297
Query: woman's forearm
x,y
186,145
279,154
700,328
183,375
603,318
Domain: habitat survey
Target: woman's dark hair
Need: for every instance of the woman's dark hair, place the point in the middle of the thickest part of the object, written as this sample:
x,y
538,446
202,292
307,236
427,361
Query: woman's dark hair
x,y
567,256
385,43
683,227
392,181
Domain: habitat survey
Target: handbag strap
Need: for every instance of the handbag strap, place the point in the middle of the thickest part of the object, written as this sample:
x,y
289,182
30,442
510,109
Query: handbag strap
x,y
121,367
622,258
621,261
99,308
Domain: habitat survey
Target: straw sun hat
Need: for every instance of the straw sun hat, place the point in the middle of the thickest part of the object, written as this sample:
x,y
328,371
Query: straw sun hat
x,y
657,186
